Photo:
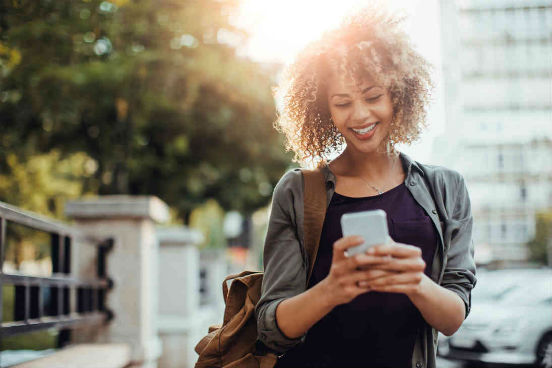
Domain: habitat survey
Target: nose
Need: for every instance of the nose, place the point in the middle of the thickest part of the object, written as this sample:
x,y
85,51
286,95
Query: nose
x,y
362,112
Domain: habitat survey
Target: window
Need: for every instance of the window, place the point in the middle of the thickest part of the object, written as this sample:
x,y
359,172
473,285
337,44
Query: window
x,y
523,192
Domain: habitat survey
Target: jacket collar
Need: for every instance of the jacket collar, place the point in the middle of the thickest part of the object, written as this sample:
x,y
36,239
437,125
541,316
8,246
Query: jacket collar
x,y
409,163
406,161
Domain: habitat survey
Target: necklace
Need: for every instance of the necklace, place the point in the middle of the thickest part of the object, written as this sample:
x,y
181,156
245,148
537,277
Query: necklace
x,y
380,192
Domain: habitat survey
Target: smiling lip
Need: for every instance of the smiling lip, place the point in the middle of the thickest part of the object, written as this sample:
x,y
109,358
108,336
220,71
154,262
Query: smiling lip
x,y
364,126
365,136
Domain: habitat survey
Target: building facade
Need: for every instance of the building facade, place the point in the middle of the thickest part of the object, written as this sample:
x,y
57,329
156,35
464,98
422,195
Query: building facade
x,y
497,71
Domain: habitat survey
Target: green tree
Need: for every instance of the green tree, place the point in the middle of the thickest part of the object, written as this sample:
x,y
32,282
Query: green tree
x,y
209,219
44,182
538,246
151,90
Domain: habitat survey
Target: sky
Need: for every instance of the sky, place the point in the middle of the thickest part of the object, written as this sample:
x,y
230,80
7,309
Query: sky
x,y
280,28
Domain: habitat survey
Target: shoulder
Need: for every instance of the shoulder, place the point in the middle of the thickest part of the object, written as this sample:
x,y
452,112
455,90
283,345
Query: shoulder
x,y
289,186
291,178
447,187
441,176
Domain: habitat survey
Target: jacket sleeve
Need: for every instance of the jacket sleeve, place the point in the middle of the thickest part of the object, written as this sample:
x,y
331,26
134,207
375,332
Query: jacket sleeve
x,y
284,262
459,273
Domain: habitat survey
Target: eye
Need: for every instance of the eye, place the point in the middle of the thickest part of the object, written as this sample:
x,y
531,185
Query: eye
x,y
375,98
342,104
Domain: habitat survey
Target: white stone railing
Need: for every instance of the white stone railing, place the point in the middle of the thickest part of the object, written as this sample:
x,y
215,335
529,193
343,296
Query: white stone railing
x,y
158,311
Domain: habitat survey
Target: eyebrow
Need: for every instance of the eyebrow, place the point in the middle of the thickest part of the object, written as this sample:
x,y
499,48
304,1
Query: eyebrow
x,y
346,95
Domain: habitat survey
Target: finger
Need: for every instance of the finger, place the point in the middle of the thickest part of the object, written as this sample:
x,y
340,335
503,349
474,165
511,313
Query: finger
x,y
400,278
401,288
396,250
351,284
372,275
354,277
368,261
342,244
363,261
402,265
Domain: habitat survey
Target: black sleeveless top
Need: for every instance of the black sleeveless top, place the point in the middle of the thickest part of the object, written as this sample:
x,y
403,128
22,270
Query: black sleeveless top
x,y
374,329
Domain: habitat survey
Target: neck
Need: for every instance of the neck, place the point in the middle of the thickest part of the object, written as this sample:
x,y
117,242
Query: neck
x,y
370,166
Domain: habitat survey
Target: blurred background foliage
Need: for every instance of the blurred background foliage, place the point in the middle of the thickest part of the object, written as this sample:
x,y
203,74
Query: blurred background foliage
x,y
539,246
141,97
209,219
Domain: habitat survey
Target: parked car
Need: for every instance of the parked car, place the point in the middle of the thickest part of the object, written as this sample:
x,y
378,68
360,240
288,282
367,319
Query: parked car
x,y
510,320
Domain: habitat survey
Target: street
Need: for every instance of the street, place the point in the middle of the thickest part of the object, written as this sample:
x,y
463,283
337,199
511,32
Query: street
x,y
444,363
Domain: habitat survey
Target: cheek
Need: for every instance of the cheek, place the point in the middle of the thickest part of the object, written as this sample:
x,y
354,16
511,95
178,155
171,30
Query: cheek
x,y
386,112
340,122
388,107
338,116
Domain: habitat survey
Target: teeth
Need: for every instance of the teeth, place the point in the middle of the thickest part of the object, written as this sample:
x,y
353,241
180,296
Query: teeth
x,y
365,130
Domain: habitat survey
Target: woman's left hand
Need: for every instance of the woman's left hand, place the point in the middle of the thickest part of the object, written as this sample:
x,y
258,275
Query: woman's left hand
x,y
403,274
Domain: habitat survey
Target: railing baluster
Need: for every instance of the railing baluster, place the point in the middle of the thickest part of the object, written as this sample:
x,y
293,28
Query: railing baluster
x,y
2,244
61,262
95,299
67,255
34,302
27,301
40,301
66,306
54,241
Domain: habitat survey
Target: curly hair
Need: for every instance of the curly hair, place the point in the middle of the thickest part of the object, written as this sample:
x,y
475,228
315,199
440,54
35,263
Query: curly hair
x,y
367,44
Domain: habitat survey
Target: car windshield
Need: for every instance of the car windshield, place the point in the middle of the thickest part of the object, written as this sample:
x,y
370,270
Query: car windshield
x,y
513,287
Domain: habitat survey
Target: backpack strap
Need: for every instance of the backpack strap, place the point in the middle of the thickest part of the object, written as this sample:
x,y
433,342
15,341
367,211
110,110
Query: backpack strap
x,y
315,203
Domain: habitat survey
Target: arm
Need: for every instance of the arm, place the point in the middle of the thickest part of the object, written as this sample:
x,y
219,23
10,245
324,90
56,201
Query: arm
x,y
298,314
443,306
459,273
284,263
454,293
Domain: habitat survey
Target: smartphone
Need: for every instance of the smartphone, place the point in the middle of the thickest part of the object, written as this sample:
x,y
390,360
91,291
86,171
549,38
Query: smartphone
x,y
370,225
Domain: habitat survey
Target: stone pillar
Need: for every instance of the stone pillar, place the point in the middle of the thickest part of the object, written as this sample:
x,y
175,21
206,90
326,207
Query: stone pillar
x,y
179,306
131,264
179,270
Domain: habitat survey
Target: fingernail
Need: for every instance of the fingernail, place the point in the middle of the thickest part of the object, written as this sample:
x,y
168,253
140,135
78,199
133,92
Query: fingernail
x,y
371,250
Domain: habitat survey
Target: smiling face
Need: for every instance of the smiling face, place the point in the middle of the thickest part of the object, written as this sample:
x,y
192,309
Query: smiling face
x,y
362,113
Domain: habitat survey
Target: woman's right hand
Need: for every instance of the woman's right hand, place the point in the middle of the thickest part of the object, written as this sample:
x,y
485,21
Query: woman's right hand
x,y
341,283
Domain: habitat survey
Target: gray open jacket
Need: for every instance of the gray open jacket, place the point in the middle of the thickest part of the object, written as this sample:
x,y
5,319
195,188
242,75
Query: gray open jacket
x,y
440,191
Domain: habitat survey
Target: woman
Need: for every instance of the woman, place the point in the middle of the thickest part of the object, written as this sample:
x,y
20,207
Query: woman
x,y
363,85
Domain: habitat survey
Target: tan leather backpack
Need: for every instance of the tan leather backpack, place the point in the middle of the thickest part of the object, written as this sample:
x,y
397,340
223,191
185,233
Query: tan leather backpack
x,y
234,343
